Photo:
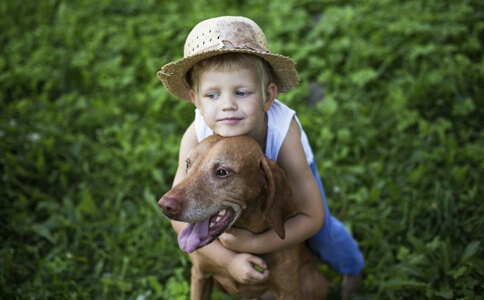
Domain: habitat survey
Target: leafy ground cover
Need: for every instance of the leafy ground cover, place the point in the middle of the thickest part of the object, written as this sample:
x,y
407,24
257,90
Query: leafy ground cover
x,y
391,98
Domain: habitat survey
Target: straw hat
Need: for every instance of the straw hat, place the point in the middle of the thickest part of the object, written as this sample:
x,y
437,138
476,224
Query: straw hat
x,y
226,35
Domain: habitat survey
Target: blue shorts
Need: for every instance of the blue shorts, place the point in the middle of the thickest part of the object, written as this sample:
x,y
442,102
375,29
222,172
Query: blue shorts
x,y
333,244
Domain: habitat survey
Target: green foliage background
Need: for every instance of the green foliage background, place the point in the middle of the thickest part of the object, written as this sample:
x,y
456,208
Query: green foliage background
x,y
391,98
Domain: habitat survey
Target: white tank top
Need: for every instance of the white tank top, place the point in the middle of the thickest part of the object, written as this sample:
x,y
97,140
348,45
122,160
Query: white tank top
x,y
279,118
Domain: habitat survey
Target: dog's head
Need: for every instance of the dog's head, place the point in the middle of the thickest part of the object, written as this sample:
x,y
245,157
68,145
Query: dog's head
x,y
223,176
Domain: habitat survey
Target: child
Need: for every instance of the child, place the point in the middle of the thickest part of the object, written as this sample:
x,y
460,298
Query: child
x,y
232,78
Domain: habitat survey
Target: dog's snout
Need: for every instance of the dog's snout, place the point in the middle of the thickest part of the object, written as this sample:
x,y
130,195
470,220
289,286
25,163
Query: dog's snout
x,y
169,206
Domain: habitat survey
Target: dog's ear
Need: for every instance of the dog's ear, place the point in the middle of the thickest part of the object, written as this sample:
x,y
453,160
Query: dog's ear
x,y
280,204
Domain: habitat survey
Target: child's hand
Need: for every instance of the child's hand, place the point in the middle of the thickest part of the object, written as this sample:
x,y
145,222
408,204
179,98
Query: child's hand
x,y
242,268
240,240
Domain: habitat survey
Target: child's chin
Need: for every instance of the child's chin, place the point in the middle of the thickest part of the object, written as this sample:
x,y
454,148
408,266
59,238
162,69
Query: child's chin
x,y
231,133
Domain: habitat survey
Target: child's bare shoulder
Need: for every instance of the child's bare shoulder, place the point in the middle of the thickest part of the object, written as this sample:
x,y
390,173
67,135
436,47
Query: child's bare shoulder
x,y
292,151
189,140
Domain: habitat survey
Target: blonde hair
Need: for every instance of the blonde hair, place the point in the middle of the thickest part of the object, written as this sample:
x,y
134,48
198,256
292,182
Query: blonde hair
x,y
229,62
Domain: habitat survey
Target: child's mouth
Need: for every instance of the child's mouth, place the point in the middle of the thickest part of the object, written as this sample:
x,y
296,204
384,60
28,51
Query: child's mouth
x,y
230,120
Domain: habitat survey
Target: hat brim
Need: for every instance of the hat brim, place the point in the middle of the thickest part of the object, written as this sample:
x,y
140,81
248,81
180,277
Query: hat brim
x,y
173,74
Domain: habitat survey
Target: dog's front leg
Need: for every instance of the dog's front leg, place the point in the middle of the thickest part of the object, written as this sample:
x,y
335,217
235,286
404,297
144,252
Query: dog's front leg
x,y
202,285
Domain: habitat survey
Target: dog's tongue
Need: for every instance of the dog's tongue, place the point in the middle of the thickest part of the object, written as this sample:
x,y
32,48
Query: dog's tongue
x,y
191,236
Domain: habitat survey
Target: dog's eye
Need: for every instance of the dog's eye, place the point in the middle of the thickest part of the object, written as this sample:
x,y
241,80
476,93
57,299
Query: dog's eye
x,y
188,163
221,172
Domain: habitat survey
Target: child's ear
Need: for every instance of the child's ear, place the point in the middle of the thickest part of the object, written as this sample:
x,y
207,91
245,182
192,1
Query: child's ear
x,y
194,100
271,93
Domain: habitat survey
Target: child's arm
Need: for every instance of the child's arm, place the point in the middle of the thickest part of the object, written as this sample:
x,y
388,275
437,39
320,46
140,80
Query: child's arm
x,y
310,219
240,265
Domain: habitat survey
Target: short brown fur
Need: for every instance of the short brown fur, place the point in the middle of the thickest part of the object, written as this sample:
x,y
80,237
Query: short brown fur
x,y
257,190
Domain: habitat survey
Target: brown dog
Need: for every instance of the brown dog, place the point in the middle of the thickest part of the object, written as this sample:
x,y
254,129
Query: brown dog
x,y
230,182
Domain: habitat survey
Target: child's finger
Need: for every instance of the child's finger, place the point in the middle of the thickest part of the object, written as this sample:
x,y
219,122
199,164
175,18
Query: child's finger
x,y
260,276
259,264
258,268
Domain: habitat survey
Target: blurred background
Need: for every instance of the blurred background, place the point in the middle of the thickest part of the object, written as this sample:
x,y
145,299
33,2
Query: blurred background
x,y
391,97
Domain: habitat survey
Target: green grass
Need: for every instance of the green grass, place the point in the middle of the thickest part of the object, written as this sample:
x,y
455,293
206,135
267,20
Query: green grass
x,y
391,98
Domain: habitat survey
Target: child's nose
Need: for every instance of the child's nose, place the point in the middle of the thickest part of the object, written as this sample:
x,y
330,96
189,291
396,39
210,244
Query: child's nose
x,y
229,103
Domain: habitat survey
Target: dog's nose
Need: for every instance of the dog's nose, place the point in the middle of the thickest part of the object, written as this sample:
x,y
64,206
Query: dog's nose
x,y
169,206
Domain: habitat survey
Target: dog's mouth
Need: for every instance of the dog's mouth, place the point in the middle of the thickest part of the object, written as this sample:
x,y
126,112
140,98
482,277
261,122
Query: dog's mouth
x,y
199,234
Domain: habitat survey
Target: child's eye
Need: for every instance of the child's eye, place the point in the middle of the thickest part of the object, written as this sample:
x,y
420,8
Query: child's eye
x,y
241,94
212,96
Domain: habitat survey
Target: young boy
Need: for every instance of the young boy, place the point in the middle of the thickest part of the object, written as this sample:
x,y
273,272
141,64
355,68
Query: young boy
x,y
232,78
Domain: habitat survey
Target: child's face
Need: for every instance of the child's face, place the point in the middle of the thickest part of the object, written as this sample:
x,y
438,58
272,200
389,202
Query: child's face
x,y
233,103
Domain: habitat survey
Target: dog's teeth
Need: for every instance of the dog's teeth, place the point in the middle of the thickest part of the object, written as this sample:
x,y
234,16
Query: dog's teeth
x,y
222,212
212,224
218,219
